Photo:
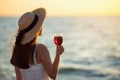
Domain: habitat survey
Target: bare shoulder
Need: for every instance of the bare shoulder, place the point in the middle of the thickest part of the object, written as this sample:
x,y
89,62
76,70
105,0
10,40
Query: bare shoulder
x,y
42,50
41,46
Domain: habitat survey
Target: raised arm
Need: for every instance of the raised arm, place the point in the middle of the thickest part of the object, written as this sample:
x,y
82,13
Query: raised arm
x,y
51,68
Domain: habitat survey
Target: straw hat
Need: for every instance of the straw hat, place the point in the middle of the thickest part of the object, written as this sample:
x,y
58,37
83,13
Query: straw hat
x,y
32,22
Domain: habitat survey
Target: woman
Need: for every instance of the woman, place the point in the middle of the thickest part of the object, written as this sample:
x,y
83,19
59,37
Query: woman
x,y
32,60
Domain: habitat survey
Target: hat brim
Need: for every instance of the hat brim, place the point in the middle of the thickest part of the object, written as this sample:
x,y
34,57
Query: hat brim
x,y
41,13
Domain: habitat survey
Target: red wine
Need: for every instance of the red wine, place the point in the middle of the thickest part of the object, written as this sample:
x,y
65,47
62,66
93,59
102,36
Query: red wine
x,y
58,40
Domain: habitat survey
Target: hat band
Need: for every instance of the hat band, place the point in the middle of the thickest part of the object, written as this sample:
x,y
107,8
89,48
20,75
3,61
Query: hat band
x,y
31,25
22,32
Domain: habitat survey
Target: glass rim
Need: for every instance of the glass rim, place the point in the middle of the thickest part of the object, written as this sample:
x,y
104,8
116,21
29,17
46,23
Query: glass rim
x,y
58,34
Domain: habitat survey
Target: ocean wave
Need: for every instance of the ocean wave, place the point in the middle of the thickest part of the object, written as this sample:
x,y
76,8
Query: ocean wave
x,y
88,72
6,73
115,56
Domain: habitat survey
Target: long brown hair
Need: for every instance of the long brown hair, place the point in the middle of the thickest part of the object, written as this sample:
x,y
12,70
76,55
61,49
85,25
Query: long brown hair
x,y
22,55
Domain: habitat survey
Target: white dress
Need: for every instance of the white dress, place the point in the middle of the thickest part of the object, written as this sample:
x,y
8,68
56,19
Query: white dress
x,y
35,72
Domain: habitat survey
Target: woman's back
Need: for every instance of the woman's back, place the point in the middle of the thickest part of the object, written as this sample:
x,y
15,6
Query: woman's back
x,y
35,72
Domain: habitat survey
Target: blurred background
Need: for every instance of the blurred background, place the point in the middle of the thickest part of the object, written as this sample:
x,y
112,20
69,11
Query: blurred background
x,y
90,28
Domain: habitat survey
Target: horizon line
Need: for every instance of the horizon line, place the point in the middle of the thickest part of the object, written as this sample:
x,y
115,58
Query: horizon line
x,y
64,15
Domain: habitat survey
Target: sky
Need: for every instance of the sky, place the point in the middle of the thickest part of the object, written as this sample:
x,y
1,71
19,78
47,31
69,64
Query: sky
x,y
62,7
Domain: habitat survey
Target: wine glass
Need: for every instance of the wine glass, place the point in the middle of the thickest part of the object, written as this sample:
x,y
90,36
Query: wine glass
x,y
58,39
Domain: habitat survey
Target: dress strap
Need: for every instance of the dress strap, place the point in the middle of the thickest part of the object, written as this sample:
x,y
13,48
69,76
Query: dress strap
x,y
34,56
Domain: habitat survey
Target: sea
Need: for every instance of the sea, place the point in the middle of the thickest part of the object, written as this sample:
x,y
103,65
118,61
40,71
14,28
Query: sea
x,y
91,43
